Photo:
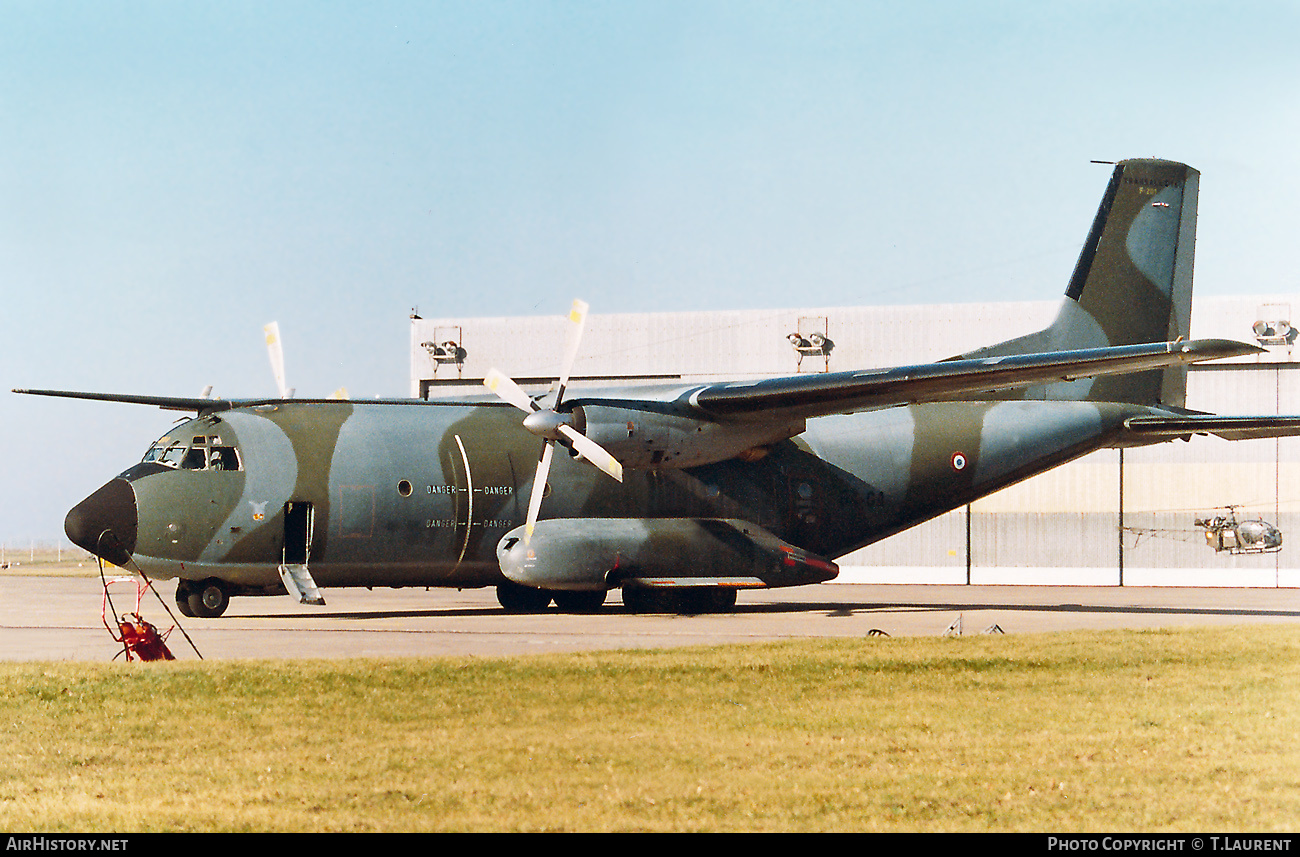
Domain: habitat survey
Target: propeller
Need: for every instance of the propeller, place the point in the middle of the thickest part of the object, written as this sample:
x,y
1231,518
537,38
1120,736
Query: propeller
x,y
550,424
275,349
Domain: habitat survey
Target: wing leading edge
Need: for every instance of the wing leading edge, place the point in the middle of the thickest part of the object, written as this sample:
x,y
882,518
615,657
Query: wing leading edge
x,y
203,406
168,403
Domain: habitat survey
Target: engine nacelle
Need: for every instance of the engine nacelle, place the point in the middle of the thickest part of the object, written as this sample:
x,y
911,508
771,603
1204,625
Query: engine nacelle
x,y
603,553
643,439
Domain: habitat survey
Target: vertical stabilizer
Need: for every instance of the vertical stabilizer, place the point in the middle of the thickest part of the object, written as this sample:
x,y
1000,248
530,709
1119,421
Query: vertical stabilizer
x,y
1131,285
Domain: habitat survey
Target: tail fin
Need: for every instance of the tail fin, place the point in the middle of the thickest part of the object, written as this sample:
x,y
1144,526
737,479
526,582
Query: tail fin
x,y
1131,285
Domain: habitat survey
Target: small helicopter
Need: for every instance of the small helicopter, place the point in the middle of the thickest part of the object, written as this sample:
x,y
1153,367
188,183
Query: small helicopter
x,y
1225,533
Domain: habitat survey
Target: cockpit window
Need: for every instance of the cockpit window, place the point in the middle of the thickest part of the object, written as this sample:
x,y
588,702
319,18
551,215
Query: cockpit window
x,y
202,453
223,458
171,456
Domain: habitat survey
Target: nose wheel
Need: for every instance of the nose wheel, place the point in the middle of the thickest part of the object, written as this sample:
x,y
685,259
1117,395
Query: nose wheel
x,y
522,599
205,599
183,589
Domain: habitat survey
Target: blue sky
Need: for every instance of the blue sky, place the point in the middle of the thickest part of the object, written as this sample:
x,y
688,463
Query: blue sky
x,y
173,175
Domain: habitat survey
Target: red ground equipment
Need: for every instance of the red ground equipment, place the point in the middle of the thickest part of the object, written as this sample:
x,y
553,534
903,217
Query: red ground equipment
x,y
139,639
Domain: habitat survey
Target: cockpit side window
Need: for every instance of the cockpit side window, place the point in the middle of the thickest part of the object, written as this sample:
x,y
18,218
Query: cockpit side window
x,y
171,456
223,458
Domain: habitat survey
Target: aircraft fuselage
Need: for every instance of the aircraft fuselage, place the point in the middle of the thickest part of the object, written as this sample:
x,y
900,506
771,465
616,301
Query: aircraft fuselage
x,y
378,494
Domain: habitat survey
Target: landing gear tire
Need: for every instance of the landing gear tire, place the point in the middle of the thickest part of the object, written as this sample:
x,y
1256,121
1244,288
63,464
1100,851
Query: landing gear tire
x,y
183,591
579,602
641,599
522,599
718,600
209,599
694,602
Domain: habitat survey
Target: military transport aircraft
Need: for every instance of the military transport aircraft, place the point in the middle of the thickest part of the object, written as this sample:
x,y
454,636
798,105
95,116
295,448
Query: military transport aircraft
x,y
678,494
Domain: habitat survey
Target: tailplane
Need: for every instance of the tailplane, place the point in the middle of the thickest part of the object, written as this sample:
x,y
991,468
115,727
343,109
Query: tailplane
x,y
1131,285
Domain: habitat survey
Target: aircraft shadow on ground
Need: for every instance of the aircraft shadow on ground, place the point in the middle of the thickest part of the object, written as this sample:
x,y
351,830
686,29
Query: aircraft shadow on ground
x,y
1129,609
361,615
829,609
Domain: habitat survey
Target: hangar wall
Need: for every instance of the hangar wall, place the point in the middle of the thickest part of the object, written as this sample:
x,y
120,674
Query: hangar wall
x,y
1063,527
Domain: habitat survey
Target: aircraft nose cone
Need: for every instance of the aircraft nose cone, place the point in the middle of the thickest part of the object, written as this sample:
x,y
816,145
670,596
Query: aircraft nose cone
x,y
105,522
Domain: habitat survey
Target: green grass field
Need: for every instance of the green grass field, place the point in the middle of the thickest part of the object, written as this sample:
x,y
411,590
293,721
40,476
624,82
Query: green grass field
x,y
1136,731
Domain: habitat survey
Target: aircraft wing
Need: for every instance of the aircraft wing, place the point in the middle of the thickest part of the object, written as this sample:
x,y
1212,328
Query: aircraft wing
x,y
804,396
812,395
197,404
1228,428
170,403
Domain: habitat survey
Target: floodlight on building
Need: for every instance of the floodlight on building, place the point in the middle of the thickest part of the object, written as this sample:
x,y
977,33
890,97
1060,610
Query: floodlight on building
x,y
445,352
1274,332
814,343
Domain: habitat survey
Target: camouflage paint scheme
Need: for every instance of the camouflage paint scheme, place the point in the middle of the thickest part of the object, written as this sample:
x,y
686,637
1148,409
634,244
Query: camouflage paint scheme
x,y
435,493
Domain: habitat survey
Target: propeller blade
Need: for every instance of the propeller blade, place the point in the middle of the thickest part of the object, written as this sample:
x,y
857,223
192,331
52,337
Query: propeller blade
x,y
510,391
592,451
276,352
577,320
539,488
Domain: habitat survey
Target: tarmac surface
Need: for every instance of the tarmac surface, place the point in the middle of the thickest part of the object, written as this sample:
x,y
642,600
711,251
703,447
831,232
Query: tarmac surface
x,y
60,618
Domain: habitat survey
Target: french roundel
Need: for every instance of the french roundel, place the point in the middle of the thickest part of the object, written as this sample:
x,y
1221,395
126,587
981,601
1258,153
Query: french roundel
x,y
958,461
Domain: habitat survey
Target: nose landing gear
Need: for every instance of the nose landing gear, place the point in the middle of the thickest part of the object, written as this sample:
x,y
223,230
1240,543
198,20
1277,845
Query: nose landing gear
x,y
205,599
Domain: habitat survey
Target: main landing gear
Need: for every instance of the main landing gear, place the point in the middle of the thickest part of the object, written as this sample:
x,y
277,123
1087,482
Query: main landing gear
x,y
636,599
642,599
526,599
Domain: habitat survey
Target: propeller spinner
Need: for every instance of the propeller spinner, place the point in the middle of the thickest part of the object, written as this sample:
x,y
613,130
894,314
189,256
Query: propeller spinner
x,y
550,424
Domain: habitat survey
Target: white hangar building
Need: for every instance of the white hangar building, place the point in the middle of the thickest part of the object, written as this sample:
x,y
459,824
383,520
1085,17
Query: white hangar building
x,y
1109,518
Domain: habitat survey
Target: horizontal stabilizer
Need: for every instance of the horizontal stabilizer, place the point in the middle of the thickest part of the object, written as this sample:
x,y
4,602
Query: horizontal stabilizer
x,y
1228,428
